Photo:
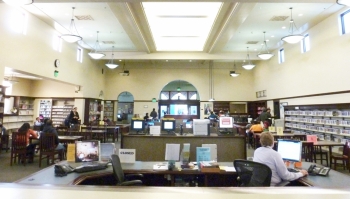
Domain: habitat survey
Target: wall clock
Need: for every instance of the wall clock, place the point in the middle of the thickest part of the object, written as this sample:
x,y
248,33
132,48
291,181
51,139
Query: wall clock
x,y
57,63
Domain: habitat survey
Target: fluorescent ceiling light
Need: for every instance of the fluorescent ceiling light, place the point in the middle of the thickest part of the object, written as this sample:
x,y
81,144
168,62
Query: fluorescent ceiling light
x,y
181,26
18,2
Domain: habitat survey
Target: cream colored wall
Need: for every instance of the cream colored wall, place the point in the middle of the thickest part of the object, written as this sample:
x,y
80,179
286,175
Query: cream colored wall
x,y
139,108
47,88
323,69
24,87
146,81
33,53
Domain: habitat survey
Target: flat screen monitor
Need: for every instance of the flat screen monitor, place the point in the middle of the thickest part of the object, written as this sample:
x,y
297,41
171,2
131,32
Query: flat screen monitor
x,y
87,151
137,125
225,122
201,127
290,150
168,125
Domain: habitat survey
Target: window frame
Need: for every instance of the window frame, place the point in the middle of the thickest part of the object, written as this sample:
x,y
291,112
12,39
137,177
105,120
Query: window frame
x,y
80,54
281,57
304,48
342,22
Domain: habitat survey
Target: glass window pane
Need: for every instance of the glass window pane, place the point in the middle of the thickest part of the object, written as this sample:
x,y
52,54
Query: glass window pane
x,y
345,20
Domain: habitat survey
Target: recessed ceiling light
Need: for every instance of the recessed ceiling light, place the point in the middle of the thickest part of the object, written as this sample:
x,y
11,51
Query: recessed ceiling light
x,y
272,35
120,60
256,49
267,40
300,15
166,60
190,60
283,27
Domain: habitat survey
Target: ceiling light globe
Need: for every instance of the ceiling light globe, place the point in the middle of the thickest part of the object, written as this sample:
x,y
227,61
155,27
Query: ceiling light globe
x,y
248,66
265,56
292,39
96,55
71,38
234,74
112,66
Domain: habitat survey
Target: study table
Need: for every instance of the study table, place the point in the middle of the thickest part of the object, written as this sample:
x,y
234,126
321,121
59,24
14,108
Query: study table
x,y
334,179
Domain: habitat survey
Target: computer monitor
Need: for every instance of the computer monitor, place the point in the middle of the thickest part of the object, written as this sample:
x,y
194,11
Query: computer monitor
x,y
225,122
168,125
290,150
137,125
201,127
87,151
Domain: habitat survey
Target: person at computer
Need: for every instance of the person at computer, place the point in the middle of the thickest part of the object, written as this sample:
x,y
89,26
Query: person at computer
x,y
213,118
154,114
266,155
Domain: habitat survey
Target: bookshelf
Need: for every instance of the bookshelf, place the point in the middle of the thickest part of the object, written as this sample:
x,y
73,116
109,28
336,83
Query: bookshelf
x,y
24,114
327,121
45,107
60,110
2,103
93,110
109,110
221,106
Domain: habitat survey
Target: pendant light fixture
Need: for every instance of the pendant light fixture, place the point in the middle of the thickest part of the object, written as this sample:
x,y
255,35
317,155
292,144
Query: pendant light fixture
x,y
343,2
18,2
110,64
233,73
211,82
94,54
264,53
73,35
292,38
248,65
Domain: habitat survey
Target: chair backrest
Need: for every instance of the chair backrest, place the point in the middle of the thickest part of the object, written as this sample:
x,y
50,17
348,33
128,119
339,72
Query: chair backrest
x,y
308,151
346,149
19,141
117,168
47,142
252,174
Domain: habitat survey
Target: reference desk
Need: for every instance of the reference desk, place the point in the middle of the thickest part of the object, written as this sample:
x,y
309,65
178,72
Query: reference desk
x,y
152,148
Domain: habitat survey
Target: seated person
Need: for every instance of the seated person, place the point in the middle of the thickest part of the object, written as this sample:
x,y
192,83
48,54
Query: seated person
x,y
213,118
266,155
37,122
190,119
146,118
106,120
255,128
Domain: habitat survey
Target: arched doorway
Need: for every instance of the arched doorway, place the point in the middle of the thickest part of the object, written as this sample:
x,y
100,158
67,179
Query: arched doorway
x,y
125,106
180,100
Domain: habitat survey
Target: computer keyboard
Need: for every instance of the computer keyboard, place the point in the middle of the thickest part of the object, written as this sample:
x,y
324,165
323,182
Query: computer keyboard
x,y
293,170
87,168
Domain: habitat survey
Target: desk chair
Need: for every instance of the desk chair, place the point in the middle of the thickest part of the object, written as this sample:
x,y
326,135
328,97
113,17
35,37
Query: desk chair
x,y
124,180
344,158
252,174
48,149
320,154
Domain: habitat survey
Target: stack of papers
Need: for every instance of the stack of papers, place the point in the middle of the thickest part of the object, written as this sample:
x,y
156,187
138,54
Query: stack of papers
x,y
160,167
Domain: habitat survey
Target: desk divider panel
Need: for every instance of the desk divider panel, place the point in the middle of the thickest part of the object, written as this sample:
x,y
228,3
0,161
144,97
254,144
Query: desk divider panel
x,y
152,148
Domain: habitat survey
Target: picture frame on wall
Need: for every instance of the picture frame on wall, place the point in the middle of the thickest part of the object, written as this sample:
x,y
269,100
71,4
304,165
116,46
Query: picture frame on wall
x,y
207,109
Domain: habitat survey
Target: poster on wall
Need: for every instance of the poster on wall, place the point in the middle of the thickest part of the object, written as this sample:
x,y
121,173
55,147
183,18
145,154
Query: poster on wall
x,y
193,110
207,109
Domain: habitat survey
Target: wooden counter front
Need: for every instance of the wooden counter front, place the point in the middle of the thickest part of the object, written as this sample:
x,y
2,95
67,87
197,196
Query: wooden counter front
x,y
152,148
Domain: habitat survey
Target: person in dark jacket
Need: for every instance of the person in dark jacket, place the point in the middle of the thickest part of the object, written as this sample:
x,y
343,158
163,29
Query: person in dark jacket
x,y
265,115
48,128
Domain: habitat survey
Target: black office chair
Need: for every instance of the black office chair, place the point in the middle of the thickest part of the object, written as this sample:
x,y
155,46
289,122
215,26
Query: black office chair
x,y
252,174
124,180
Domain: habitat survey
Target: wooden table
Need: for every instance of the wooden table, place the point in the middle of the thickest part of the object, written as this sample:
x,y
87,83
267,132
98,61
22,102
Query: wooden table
x,y
87,133
69,139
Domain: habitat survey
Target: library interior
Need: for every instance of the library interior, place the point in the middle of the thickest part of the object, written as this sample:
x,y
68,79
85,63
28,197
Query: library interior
x,y
175,96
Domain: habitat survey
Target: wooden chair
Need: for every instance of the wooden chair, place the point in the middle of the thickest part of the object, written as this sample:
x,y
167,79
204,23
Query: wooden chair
x,y
113,133
344,158
19,147
48,148
307,151
320,154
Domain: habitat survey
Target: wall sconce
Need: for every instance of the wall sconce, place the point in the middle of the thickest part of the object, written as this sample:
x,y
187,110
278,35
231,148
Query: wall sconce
x,y
55,73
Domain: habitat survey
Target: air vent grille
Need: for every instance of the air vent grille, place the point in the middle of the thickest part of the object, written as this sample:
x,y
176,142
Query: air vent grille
x,y
84,17
279,18
252,42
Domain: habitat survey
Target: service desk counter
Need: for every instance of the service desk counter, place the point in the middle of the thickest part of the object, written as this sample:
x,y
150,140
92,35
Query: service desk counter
x,y
152,148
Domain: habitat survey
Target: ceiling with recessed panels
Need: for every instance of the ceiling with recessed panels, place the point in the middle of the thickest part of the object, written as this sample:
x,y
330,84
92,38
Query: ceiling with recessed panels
x,y
171,30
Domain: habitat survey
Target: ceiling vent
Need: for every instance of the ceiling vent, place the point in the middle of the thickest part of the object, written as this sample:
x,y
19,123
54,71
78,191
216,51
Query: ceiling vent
x,y
108,42
252,42
124,73
279,18
84,17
